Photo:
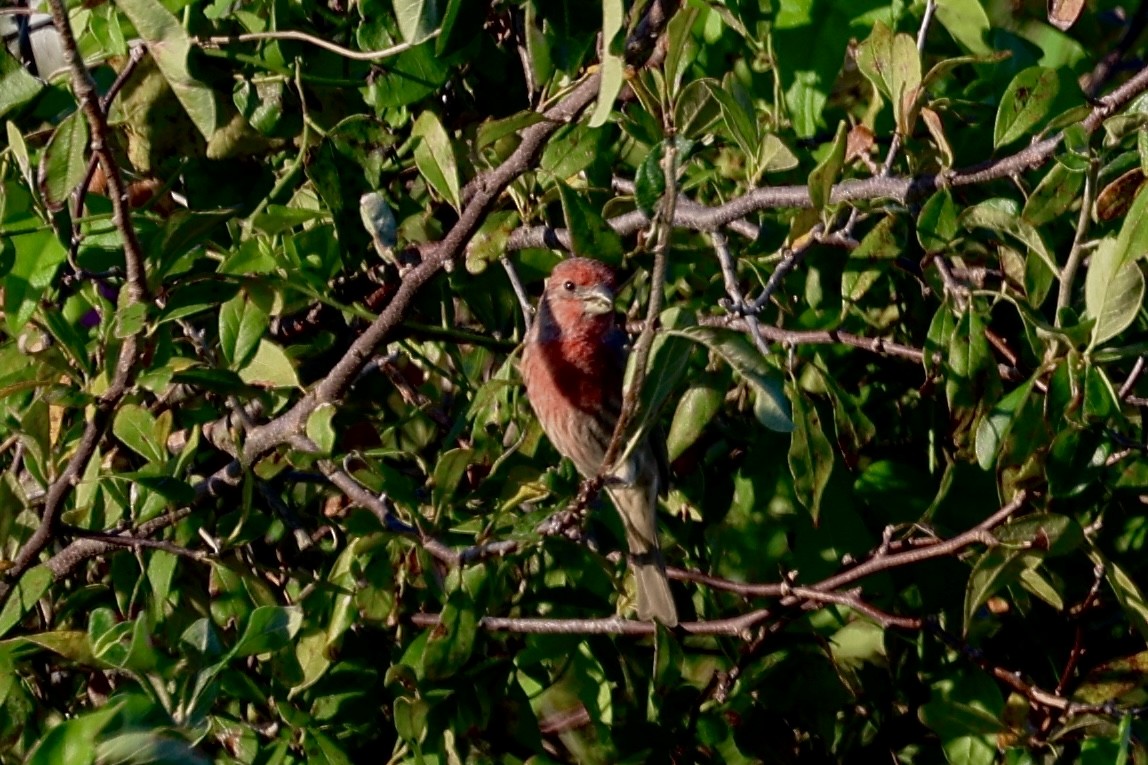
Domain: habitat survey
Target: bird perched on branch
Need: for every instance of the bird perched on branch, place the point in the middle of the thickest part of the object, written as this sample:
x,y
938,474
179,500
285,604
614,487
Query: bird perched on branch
x,y
573,365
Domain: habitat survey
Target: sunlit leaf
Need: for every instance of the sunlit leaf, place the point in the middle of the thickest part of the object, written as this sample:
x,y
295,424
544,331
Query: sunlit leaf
x,y
612,65
1113,293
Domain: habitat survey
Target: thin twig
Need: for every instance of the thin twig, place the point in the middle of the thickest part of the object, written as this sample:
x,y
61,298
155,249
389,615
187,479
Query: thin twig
x,y
736,300
1076,253
1133,377
354,55
519,292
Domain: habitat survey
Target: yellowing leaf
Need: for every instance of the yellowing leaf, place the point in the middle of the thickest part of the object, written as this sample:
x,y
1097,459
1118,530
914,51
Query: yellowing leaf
x,y
270,367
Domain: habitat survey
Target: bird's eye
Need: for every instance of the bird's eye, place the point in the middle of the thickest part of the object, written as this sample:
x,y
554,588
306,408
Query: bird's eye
x,y
568,286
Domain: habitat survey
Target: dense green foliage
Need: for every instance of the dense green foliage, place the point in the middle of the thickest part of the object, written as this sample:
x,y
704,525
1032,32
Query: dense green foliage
x,y
269,477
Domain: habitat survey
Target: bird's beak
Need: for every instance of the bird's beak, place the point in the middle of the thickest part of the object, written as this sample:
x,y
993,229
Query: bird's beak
x,y
598,300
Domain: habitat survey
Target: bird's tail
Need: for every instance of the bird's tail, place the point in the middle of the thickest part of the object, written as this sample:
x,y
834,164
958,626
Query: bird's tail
x,y
637,505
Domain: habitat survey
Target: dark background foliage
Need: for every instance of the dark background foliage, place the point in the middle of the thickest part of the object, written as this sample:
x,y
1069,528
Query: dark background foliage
x,y
271,491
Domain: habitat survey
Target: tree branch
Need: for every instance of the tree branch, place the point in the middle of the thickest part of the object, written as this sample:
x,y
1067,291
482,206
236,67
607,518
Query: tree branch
x,y
902,190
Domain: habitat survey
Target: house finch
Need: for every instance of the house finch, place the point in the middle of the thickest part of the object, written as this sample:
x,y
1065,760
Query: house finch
x,y
573,364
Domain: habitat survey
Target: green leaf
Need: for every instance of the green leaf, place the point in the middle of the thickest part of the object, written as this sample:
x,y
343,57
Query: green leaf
x,y
1054,195
869,260
143,747
417,19
1021,544
681,49
942,68
410,77
136,427
38,257
1074,458
25,592
17,86
774,156
1114,679
319,428
810,456
937,340
969,359
268,629
772,407
489,242
1132,241
1026,101
891,62
270,367
650,180
967,22
1002,216
589,232
411,719
492,131
451,642
434,156
937,224
242,322
695,409
854,429
822,178
260,104
738,122
1112,297
71,741
669,356
995,426
1127,592
460,22
169,45
64,162
612,66
572,149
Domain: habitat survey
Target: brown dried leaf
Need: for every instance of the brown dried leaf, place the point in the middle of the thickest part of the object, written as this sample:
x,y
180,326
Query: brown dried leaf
x,y
858,143
932,121
1062,14
1114,199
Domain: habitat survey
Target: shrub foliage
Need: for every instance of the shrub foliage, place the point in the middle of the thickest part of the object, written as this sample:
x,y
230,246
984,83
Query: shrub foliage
x,y
272,493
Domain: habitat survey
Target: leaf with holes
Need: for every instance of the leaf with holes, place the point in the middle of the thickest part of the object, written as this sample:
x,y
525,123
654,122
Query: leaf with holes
x,y
1026,101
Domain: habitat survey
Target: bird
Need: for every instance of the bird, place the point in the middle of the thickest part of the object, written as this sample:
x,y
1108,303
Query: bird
x,y
573,364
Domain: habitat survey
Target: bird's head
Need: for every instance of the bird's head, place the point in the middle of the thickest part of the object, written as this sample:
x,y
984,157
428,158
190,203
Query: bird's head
x,y
580,295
